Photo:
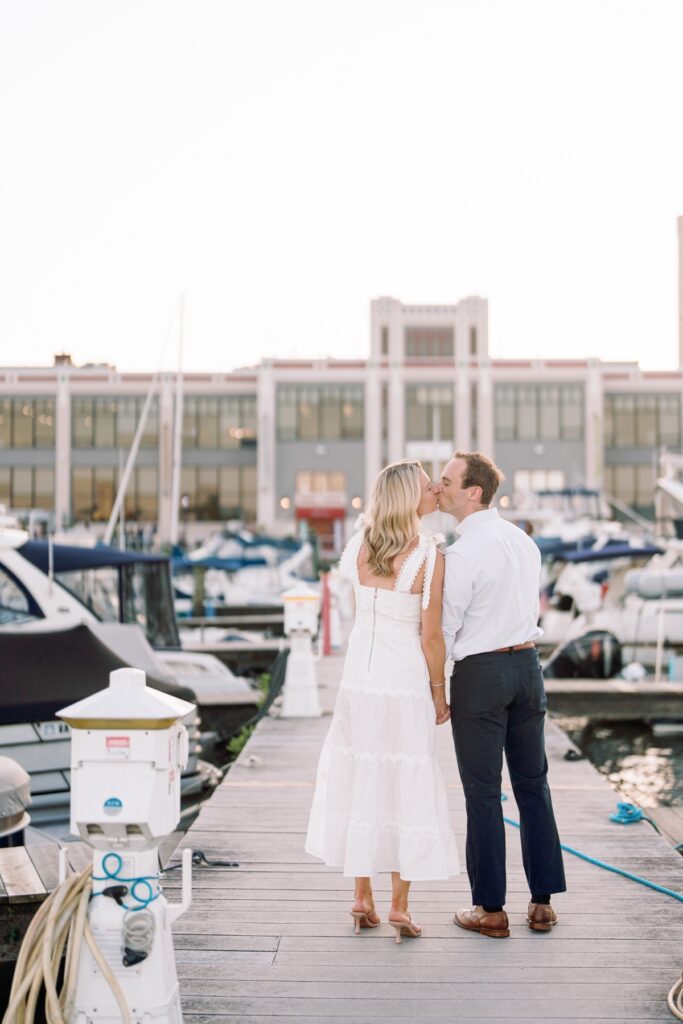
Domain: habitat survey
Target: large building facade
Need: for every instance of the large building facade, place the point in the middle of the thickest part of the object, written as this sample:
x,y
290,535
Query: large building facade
x,y
287,442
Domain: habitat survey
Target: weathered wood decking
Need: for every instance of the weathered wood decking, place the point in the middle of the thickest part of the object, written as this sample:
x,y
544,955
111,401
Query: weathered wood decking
x,y
273,941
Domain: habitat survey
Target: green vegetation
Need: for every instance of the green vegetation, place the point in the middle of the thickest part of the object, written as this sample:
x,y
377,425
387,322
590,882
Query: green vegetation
x,y
238,742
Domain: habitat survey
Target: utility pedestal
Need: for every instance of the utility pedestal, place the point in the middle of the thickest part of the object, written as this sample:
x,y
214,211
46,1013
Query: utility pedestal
x,y
300,699
128,750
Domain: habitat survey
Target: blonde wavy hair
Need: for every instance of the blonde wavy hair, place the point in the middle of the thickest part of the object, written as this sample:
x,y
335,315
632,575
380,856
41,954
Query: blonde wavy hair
x,y
391,519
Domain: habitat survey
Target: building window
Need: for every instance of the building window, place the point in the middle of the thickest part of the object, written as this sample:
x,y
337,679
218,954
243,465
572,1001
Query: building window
x,y
27,423
216,423
631,484
429,343
526,481
93,490
111,422
320,487
320,412
385,341
218,493
429,412
539,412
642,421
25,487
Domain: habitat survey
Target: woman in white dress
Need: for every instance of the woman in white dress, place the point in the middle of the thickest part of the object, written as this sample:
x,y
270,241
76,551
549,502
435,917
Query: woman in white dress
x,y
380,799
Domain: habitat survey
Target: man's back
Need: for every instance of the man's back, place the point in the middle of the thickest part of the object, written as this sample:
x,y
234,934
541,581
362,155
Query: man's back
x,y
491,597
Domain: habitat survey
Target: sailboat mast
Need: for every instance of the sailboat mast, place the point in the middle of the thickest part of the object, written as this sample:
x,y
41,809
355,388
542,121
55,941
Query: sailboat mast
x,y
178,430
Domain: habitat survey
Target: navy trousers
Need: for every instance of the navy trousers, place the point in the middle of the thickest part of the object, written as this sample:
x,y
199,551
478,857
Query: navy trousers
x,y
498,704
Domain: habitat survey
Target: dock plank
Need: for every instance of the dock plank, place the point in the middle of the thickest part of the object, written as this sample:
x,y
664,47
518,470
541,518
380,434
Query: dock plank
x,y
272,940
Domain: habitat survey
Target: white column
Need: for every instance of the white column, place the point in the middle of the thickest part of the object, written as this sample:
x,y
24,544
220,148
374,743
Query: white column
x,y
462,408
397,415
373,427
485,412
266,447
62,452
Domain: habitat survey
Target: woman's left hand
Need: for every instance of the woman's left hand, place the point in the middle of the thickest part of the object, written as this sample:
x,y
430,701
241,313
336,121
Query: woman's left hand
x,y
443,712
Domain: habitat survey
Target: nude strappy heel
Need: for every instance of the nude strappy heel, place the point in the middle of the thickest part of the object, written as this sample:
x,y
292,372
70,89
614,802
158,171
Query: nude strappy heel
x,y
407,928
361,919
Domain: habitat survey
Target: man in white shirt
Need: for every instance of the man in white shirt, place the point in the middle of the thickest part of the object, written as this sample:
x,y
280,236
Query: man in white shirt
x,y
490,623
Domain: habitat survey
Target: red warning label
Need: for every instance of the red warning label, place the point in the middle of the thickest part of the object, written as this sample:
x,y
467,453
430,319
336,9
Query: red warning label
x,y
117,746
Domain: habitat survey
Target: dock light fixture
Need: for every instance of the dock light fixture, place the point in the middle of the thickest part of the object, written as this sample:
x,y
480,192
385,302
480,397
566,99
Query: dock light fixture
x,y
285,502
356,502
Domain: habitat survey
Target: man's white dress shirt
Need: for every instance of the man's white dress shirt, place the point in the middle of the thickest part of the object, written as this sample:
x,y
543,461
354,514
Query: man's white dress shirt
x,y
491,586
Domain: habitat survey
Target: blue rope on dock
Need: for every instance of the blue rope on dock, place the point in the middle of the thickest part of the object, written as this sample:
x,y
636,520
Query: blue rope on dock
x,y
627,819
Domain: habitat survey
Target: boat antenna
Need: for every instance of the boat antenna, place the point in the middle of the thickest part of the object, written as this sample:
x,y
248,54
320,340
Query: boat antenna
x,y
132,454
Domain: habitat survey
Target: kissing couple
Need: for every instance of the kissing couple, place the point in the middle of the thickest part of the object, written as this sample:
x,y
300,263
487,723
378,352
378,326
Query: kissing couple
x,y
380,800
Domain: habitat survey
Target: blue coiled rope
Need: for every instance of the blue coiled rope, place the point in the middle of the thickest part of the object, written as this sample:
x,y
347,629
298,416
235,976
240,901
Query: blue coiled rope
x,y
143,880
623,816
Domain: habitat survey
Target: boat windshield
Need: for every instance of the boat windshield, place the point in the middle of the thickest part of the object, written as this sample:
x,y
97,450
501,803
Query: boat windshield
x,y
15,604
134,592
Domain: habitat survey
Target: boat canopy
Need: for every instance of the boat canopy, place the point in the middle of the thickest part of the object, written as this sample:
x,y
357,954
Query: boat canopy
x,y
116,586
614,550
70,557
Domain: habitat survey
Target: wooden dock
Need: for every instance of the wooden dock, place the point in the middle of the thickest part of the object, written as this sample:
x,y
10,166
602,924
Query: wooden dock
x,y
271,942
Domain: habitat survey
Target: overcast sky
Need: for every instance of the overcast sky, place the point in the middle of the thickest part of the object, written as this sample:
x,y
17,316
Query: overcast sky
x,y
282,162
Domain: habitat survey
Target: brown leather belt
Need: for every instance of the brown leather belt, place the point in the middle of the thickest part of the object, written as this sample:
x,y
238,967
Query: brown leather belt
x,y
515,647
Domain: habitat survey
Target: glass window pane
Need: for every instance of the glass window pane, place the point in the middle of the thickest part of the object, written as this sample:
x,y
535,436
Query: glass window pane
x,y
81,493
44,423
646,421
308,414
126,422
146,487
189,422
527,419
207,493
504,411
249,493
353,401
22,487
331,413
207,426
82,422
22,426
624,422
669,421
105,422
549,413
229,496
229,426
44,487
5,423
5,489
104,492
286,413
150,435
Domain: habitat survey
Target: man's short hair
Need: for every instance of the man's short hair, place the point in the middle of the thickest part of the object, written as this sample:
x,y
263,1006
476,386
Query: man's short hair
x,y
481,472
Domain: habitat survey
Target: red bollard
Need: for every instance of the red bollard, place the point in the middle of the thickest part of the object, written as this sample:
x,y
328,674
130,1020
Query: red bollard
x,y
325,614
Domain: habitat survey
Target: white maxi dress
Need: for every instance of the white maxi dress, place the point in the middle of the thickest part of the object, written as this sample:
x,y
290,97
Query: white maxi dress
x,y
380,800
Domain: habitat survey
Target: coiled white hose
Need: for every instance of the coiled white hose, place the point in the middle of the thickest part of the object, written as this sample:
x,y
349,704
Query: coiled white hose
x,y
675,998
61,921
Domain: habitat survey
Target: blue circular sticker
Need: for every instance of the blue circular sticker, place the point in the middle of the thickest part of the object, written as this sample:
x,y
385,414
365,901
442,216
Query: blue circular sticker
x,y
113,805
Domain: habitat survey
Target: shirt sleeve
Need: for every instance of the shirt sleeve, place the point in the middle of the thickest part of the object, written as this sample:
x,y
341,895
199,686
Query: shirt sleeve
x,y
458,590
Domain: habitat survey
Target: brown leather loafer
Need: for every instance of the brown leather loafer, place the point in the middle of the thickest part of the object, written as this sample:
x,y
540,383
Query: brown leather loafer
x,y
494,925
541,917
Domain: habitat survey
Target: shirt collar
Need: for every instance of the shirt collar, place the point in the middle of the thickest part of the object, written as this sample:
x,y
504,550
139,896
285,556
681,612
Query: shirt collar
x,y
476,518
